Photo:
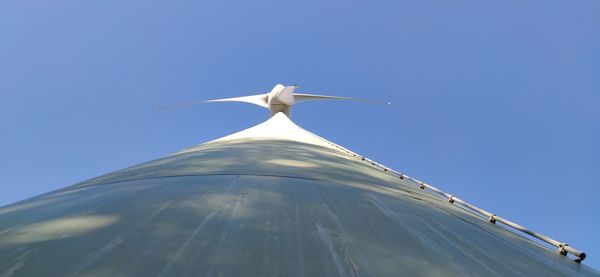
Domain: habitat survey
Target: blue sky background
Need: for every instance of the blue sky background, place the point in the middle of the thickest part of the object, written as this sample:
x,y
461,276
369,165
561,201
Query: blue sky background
x,y
496,102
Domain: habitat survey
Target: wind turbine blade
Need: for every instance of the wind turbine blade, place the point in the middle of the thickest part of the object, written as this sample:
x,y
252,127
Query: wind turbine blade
x,y
300,97
260,100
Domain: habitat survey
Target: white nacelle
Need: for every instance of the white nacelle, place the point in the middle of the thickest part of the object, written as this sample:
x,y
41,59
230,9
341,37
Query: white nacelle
x,y
281,99
283,96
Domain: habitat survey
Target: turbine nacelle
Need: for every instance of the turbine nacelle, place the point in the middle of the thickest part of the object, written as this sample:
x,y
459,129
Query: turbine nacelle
x,y
281,99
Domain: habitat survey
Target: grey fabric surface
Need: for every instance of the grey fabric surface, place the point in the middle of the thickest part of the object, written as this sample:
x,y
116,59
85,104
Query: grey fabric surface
x,y
259,208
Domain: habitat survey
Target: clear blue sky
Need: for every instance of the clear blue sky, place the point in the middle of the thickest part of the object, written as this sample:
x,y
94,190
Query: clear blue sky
x,y
494,101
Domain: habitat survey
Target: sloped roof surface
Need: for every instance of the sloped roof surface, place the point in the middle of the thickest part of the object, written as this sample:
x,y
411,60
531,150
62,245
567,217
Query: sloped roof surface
x,y
273,200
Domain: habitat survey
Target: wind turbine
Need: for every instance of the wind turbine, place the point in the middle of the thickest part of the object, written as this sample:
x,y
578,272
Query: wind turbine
x,y
274,192
280,99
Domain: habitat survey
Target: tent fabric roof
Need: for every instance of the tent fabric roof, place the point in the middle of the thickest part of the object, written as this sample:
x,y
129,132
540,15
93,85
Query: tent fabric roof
x,y
270,200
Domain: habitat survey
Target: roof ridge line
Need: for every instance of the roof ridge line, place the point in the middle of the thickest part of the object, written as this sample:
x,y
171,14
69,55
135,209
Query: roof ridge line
x,y
562,247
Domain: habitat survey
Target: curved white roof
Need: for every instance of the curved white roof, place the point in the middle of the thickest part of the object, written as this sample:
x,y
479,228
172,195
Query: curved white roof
x,y
270,200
